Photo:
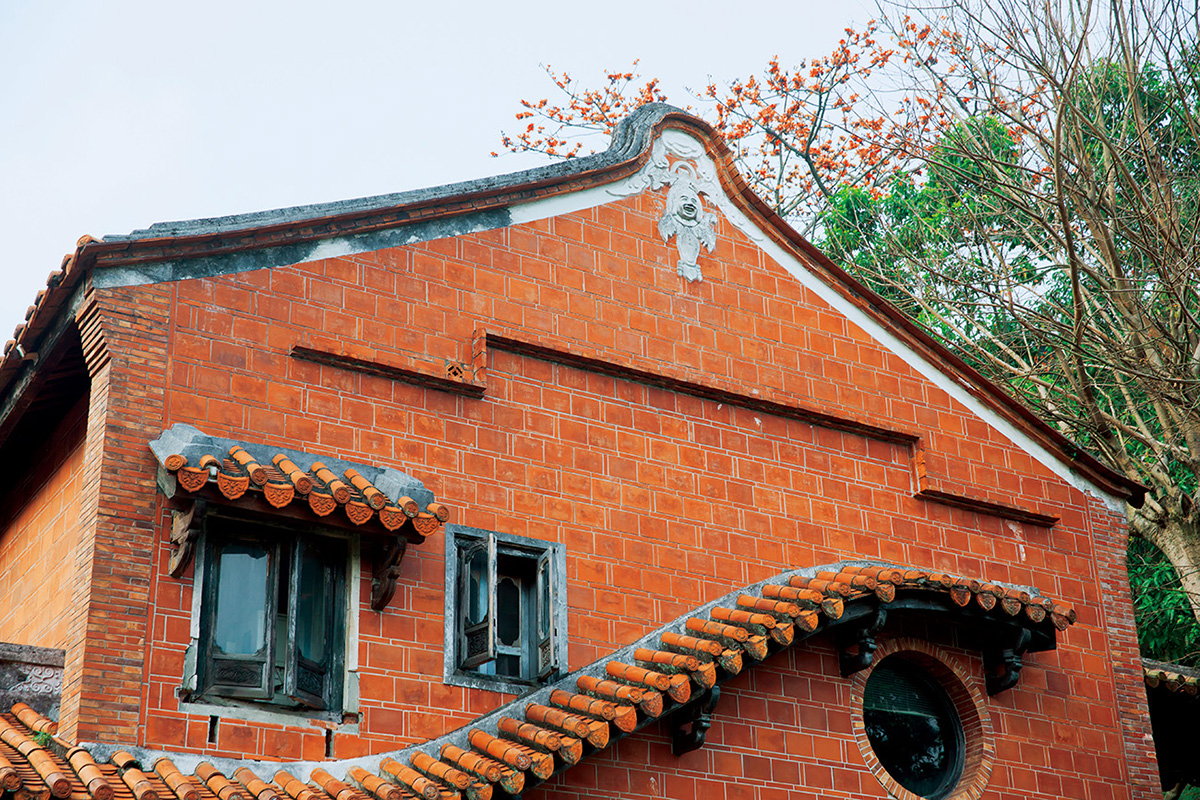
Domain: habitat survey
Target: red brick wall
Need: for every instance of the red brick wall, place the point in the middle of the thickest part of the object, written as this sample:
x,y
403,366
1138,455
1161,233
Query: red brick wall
x,y
124,334
38,539
784,729
662,499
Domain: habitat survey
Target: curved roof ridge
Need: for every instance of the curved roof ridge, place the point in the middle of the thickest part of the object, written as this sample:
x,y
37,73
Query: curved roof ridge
x,y
548,730
631,137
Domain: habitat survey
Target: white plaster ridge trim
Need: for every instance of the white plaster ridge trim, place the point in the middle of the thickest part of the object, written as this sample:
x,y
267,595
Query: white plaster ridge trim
x,y
940,379
564,203
684,145
331,248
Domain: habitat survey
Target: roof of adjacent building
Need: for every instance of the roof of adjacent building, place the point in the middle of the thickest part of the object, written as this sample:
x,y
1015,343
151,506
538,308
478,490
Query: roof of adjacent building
x,y
551,729
1171,677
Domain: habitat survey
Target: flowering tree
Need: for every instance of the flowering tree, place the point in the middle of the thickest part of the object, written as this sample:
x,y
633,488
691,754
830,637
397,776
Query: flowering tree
x,y
1024,181
558,131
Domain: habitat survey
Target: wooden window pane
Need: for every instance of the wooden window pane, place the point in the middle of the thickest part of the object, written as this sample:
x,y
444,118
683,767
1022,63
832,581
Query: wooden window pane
x,y
240,627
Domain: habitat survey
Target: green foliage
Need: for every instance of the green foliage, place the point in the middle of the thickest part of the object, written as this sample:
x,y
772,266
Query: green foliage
x,y
939,244
1089,319
43,739
971,157
1167,629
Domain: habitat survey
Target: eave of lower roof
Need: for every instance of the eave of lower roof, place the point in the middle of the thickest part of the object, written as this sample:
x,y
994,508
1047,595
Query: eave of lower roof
x,y
547,731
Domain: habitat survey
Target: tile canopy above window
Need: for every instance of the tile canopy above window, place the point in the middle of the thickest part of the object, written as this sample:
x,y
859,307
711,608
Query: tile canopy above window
x,y
389,509
367,499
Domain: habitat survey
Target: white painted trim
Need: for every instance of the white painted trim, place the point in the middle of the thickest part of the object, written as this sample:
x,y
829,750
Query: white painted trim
x,y
199,567
639,182
570,203
353,610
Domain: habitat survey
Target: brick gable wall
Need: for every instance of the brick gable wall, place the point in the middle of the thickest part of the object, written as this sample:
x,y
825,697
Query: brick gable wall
x,y
42,527
664,496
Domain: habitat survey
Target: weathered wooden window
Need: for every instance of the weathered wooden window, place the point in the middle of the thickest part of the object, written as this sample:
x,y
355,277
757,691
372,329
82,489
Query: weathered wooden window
x,y
273,620
506,607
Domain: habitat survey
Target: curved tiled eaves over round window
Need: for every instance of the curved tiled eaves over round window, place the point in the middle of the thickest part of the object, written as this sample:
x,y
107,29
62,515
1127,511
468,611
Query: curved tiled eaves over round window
x,y
671,674
968,703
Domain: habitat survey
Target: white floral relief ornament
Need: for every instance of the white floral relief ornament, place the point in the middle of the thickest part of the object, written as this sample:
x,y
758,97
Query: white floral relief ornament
x,y
686,218
693,167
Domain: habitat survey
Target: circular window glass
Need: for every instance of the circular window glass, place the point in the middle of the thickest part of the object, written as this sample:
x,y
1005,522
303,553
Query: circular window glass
x,y
913,728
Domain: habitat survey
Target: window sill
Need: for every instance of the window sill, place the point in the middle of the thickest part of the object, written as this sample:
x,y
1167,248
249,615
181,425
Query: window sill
x,y
487,682
255,712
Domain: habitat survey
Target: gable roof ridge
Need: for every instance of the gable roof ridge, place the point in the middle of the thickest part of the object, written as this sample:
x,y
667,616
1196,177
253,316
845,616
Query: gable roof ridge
x,y
630,138
291,235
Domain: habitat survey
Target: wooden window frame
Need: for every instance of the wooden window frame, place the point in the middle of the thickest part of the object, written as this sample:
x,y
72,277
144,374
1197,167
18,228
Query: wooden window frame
x,y
542,646
290,682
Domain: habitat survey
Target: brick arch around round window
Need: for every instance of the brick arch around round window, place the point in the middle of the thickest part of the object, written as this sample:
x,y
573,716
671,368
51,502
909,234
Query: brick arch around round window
x,y
965,694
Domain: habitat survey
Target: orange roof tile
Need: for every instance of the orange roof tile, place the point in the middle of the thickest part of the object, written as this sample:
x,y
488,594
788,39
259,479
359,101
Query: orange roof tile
x,y
239,473
1172,677
531,738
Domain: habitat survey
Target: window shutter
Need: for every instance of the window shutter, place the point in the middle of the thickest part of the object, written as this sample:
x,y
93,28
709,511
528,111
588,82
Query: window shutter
x,y
546,635
477,603
313,602
239,642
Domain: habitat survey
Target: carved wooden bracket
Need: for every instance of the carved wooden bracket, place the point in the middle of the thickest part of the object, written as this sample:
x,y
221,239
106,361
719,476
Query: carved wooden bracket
x,y
387,572
858,643
1002,665
698,718
186,525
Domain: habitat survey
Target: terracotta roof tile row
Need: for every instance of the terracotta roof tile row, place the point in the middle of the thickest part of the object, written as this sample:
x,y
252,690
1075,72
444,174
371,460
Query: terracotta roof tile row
x,y
1172,677
235,471
547,731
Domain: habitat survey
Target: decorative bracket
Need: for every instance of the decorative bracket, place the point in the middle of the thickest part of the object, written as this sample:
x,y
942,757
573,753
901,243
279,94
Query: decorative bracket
x,y
186,526
699,715
858,644
1002,665
387,572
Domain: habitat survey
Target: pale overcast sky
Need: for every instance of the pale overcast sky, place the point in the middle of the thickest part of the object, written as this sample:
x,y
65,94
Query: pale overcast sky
x,y
115,115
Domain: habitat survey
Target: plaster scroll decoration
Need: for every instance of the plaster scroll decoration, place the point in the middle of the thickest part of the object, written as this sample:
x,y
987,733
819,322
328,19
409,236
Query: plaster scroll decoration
x,y
680,161
653,176
687,220
40,679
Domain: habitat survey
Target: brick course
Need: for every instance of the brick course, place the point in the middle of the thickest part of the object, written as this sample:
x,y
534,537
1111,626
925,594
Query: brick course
x,y
124,332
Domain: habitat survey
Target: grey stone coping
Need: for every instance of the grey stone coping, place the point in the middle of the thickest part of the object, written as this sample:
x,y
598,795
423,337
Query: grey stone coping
x,y
631,137
31,654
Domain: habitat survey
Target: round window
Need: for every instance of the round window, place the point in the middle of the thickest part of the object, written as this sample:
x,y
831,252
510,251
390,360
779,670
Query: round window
x,y
913,728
